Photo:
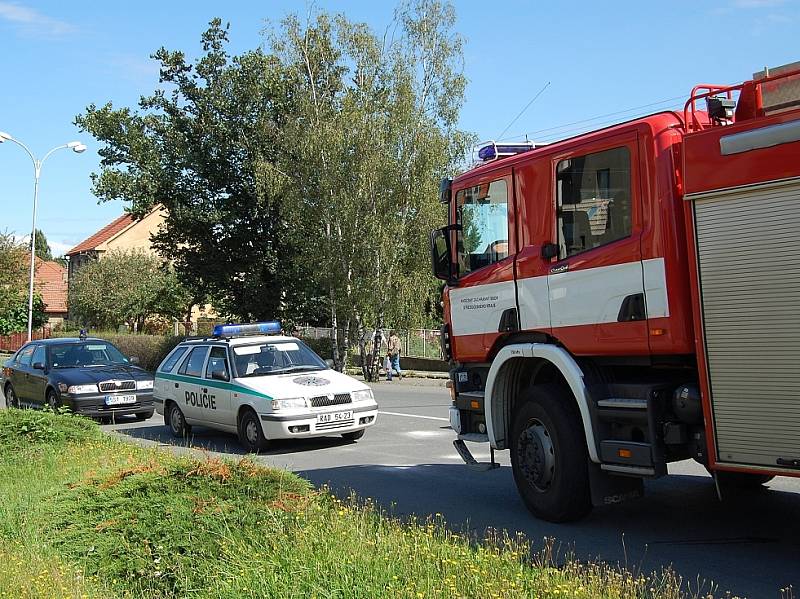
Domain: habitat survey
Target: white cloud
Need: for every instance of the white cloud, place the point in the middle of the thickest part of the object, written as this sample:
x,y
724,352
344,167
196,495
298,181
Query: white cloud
x,y
30,21
758,3
58,248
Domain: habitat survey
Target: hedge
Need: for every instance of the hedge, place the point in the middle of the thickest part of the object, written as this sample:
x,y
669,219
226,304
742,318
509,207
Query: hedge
x,y
150,349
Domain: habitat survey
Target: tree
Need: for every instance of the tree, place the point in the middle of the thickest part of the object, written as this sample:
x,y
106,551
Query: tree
x,y
373,130
43,251
14,264
127,287
204,146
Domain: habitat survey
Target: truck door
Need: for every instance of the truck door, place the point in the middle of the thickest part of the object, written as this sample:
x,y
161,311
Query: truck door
x,y
486,245
596,281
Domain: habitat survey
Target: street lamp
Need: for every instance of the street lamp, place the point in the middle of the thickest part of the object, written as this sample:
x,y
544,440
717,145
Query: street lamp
x,y
76,147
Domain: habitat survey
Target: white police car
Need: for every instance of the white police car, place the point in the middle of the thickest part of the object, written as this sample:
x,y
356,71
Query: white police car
x,y
250,380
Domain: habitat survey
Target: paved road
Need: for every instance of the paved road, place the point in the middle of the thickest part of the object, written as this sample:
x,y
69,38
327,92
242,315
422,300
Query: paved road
x,y
749,544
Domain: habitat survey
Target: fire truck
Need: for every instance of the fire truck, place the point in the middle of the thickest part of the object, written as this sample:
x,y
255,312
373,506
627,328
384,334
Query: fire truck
x,y
630,297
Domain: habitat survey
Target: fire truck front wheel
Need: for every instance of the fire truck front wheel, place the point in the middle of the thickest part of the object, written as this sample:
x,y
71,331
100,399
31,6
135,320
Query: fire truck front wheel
x,y
548,455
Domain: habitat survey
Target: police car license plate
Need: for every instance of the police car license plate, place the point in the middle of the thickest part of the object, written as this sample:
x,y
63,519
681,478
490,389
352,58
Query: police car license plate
x,y
119,400
334,416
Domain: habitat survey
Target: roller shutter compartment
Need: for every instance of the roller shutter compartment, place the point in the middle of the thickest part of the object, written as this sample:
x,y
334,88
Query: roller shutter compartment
x,y
748,247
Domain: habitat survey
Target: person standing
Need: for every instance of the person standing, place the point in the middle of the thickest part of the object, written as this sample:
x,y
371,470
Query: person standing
x,y
394,356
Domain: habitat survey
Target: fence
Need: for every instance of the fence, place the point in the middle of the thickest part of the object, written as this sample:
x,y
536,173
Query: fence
x,y
418,343
11,343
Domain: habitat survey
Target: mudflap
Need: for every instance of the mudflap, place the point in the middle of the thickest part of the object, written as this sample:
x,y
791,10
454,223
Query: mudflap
x,y
610,489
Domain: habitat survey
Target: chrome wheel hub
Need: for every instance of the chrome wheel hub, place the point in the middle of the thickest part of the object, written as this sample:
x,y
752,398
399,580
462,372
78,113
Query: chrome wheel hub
x,y
251,432
536,456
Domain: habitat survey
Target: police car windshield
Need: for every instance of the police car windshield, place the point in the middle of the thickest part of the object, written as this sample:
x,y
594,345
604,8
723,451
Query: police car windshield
x,y
278,357
85,355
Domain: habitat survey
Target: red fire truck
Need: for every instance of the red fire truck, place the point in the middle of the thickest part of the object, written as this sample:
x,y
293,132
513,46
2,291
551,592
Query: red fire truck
x,y
630,297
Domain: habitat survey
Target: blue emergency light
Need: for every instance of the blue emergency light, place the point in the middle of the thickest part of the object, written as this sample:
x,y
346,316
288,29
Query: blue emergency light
x,y
240,330
493,150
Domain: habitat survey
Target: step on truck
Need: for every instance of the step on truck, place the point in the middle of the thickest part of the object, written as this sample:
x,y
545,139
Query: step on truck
x,y
630,297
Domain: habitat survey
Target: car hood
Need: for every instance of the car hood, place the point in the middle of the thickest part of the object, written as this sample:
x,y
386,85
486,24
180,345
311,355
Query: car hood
x,y
98,374
302,384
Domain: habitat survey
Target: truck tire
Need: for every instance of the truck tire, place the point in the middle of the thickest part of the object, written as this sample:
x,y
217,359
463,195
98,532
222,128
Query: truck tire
x,y
548,455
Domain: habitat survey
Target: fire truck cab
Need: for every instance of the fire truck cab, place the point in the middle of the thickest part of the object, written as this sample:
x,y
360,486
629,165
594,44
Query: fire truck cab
x,y
631,297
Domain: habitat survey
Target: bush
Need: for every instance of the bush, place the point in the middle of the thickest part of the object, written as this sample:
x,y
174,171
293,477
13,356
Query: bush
x,y
21,428
150,349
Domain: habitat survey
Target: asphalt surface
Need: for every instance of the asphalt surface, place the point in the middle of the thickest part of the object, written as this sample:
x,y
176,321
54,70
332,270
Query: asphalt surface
x,y
749,544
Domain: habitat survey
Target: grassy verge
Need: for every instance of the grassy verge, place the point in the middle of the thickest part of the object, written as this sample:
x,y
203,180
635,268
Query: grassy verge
x,y
83,515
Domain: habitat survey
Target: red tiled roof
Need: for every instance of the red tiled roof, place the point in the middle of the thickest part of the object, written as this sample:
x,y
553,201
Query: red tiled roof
x,y
102,235
50,281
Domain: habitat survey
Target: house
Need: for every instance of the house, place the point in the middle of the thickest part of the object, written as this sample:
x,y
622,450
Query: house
x,y
125,234
50,280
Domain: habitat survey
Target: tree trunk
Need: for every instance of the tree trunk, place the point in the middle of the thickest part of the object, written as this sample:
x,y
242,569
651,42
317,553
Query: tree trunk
x,y
337,363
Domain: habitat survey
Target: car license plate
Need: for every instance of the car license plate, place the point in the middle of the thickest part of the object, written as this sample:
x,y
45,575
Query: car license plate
x,y
120,400
334,416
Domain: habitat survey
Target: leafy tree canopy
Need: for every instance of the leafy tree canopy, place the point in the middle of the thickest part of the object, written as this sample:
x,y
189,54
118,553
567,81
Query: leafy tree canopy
x,y
126,287
14,273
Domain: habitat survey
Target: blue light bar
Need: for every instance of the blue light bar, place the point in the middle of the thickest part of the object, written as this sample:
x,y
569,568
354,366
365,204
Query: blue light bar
x,y
495,150
240,330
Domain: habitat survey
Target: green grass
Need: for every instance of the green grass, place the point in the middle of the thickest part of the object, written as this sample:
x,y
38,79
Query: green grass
x,y
84,515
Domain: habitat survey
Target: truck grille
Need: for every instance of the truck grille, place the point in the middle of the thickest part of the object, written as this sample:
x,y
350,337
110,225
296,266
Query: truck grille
x,y
322,401
118,386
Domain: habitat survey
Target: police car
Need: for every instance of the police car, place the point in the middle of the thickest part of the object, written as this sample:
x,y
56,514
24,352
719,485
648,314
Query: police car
x,y
252,381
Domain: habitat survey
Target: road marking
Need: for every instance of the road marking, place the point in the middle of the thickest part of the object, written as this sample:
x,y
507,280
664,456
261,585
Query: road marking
x,y
415,416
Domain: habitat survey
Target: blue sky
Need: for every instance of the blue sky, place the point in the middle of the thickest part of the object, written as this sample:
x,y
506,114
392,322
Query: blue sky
x,y
599,57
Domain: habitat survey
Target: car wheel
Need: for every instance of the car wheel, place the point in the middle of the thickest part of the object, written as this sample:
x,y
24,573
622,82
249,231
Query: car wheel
x,y
742,480
12,401
140,416
251,435
548,455
177,423
353,435
53,402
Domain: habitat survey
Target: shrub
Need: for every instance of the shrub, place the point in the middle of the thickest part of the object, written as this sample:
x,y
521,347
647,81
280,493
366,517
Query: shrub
x,y
150,349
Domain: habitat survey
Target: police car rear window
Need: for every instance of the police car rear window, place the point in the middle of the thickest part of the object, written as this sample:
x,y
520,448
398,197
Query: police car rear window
x,y
173,359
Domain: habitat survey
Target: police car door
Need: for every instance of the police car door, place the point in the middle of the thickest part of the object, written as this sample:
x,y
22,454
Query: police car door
x,y
188,392
216,386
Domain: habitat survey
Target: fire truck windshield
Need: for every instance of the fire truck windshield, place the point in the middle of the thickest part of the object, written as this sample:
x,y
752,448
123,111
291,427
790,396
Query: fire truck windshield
x,y
482,212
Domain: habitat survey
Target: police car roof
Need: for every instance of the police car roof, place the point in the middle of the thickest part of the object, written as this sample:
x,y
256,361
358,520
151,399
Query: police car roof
x,y
243,340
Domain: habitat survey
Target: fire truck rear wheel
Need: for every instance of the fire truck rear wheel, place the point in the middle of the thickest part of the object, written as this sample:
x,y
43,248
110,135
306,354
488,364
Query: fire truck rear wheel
x,y
548,455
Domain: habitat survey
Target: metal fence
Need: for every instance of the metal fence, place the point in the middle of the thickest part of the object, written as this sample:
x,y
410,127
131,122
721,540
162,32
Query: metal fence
x,y
418,343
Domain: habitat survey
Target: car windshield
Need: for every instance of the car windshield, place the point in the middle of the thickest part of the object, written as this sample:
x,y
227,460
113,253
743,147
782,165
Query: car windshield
x,y
85,355
279,357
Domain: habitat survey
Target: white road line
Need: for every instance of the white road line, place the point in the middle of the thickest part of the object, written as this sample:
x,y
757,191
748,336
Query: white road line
x,y
415,416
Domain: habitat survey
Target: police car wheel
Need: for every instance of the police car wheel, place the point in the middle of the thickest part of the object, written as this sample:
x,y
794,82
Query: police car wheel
x,y
250,433
354,435
177,422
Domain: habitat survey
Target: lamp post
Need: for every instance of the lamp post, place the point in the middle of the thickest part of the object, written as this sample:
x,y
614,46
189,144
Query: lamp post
x,y
76,147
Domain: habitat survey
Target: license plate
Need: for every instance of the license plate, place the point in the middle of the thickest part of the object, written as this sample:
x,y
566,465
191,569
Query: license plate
x,y
334,416
119,400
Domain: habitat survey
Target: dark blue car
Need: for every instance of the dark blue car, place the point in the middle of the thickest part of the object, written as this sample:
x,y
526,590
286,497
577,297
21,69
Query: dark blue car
x,y
89,376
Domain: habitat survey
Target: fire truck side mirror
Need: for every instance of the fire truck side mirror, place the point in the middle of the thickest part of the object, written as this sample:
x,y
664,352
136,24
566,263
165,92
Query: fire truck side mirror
x,y
549,250
445,190
441,254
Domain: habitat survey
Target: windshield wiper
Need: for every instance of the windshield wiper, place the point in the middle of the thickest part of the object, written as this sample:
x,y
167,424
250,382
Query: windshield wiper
x,y
306,367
